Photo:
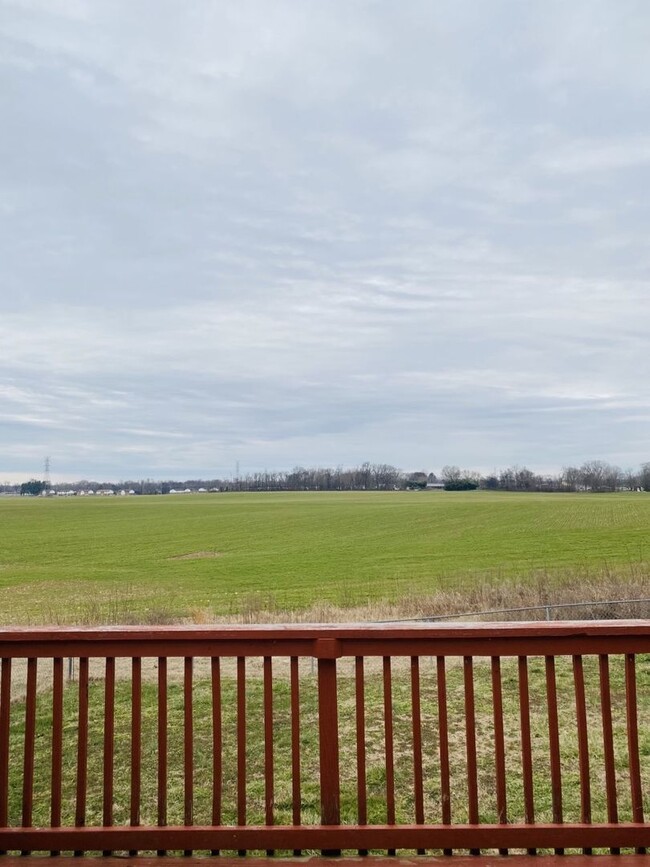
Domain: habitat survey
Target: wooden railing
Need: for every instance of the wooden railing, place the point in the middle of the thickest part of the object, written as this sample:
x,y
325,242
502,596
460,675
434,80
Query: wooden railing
x,y
357,738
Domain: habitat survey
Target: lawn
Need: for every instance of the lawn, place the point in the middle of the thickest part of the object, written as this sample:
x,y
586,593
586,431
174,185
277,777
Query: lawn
x,y
82,560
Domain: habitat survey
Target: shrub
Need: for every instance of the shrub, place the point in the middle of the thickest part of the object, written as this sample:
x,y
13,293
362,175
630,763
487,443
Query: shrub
x,y
461,485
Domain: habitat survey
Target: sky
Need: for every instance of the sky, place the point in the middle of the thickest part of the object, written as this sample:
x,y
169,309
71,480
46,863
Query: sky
x,y
287,232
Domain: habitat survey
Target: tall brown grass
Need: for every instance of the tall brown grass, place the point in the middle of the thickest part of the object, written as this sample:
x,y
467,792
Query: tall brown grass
x,y
497,598
582,593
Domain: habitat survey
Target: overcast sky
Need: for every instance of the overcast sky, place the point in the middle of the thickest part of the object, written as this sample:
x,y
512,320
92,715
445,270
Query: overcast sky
x,y
323,232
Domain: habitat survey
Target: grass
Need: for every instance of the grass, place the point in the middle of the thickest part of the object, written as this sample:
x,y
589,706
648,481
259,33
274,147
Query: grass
x,y
324,557
376,772
111,560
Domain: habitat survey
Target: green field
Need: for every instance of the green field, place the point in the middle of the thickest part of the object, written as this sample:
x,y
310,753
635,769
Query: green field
x,y
85,560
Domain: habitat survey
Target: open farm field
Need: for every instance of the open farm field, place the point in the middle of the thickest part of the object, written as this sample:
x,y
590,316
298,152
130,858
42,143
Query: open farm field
x,y
257,555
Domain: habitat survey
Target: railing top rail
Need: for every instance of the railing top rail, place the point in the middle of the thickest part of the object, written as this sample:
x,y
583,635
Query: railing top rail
x,y
284,632
331,641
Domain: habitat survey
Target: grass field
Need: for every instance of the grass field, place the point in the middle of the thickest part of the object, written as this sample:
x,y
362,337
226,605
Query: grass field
x,y
158,558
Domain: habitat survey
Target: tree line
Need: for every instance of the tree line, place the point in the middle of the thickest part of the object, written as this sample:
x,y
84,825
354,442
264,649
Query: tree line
x,y
592,476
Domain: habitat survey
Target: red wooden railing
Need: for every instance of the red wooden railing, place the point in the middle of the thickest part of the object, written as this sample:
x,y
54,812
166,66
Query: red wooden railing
x,y
422,738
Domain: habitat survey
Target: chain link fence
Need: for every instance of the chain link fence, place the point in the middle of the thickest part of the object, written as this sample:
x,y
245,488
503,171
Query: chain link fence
x,y
608,609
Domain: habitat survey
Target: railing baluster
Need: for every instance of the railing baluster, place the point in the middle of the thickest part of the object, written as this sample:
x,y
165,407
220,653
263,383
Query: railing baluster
x,y
328,730
470,737
241,743
57,745
136,741
269,794
217,743
633,740
499,744
82,747
109,743
389,745
295,745
360,725
30,737
416,716
526,743
443,735
583,742
162,745
5,719
188,747
554,743
608,742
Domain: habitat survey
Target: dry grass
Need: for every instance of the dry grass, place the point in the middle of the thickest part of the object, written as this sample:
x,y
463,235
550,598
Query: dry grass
x,y
198,555
575,588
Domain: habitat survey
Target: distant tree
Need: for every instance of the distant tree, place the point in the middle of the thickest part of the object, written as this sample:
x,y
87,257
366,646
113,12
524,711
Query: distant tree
x,y
462,484
570,478
450,473
644,477
32,488
631,480
297,479
455,479
525,479
519,479
417,481
384,476
598,476
363,476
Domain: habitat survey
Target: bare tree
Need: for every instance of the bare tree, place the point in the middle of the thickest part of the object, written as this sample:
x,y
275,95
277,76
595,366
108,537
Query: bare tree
x,y
599,476
451,473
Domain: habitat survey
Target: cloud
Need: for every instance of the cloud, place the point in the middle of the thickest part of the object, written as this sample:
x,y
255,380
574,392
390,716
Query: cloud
x,y
599,156
281,234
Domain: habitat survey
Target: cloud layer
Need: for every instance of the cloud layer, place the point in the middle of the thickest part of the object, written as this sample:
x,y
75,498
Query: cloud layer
x,y
322,233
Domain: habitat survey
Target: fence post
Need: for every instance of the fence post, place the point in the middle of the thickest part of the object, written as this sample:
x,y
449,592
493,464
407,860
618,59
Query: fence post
x,y
327,651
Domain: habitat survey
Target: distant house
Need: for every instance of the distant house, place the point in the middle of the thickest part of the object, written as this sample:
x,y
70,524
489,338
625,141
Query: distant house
x,y
434,483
